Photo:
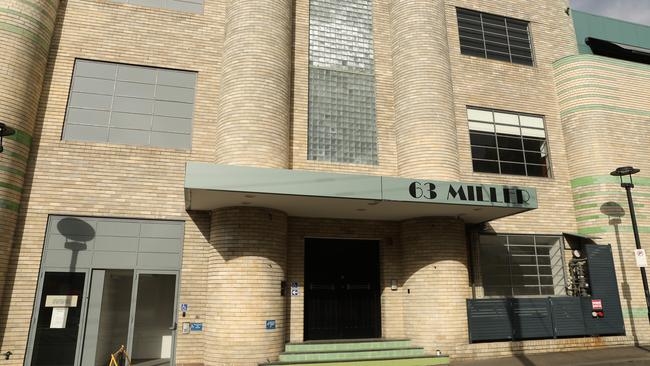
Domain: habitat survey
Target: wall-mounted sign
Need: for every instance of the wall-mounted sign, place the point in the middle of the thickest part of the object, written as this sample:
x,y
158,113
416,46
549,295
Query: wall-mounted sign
x,y
451,192
184,308
61,301
196,327
186,327
294,284
270,324
641,259
295,292
59,318
400,189
596,304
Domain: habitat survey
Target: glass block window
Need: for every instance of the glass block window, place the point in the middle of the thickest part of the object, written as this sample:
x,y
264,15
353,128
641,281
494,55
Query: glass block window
x,y
521,265
342,125
133,105
495,37
508,143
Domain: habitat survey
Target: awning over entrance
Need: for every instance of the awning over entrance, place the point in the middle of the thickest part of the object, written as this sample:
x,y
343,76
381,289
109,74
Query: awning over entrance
x,y
347,196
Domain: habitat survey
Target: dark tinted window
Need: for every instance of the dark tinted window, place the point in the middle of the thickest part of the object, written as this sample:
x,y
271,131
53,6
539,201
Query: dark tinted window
x,y
493,36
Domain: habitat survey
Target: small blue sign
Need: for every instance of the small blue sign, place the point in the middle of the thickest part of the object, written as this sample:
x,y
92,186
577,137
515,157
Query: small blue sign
x,y
184,308
270,324
196,327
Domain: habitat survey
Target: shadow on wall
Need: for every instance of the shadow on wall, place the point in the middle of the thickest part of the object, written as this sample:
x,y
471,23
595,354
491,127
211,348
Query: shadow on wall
x,y
615,212
77,233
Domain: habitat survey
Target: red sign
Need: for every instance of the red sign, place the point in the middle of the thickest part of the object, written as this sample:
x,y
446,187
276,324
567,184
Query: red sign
x,y
597,304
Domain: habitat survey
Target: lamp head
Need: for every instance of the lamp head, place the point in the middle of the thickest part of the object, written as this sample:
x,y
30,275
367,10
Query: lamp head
x,y
5,131
624,170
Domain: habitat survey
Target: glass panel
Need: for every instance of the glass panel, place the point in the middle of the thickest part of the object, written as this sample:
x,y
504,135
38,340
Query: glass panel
x,y
532,132
479,126
509,142
482,139
533,144
512,168
484,166
522,60
154,319
57,327
508,130
506,118
479,115
537,171
472,51
484,153
511,155
114,319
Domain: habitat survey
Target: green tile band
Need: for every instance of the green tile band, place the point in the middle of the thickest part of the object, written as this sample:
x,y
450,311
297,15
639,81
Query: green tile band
x,y
588,205
579,58
586,86
602,68
39,7
595,217
9,205
611,229
13,171
44,27
601,77
586,96
605,107
15,155
21,137
45,45
13,187
606,179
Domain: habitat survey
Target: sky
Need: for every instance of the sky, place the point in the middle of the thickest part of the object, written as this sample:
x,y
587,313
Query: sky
x,y
637,11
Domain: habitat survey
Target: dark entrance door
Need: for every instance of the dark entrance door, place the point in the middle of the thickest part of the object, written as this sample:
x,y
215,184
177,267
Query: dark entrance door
x,y
342,294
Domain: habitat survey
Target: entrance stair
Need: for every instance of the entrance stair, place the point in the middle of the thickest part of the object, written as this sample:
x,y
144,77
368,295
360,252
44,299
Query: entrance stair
x,y
362,352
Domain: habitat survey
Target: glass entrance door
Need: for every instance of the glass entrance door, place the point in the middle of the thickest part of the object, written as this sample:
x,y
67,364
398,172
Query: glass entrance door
x,y
153,319
59,319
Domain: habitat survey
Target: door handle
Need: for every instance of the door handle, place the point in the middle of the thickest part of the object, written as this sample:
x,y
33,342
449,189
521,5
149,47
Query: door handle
x,y
174,326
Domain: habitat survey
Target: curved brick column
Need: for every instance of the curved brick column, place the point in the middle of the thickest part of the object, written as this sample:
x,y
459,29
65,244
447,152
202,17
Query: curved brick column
x,y
253,120
425,127
26,29
246,266
436,282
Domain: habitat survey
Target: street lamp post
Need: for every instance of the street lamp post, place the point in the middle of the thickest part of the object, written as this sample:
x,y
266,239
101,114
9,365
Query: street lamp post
x,y
629,171
5,131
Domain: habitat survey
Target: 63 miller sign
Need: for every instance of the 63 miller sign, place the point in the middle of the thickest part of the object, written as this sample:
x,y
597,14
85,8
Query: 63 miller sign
x,y
400,189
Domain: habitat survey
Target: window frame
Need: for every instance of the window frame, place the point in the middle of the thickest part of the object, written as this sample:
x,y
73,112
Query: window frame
x,y
478,273
62,135
495,134
484,40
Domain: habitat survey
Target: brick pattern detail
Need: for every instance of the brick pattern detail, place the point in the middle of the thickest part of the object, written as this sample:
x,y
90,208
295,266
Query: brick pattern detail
x,y
246,265
26,31
425,127
605,117
253,119
435,276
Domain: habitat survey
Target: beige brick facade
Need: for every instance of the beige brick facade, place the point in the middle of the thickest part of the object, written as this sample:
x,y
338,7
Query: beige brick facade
x,y
251,108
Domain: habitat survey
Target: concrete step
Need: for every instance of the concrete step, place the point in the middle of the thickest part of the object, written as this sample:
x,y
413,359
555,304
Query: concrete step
x,y
409,361
347,345
361,354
